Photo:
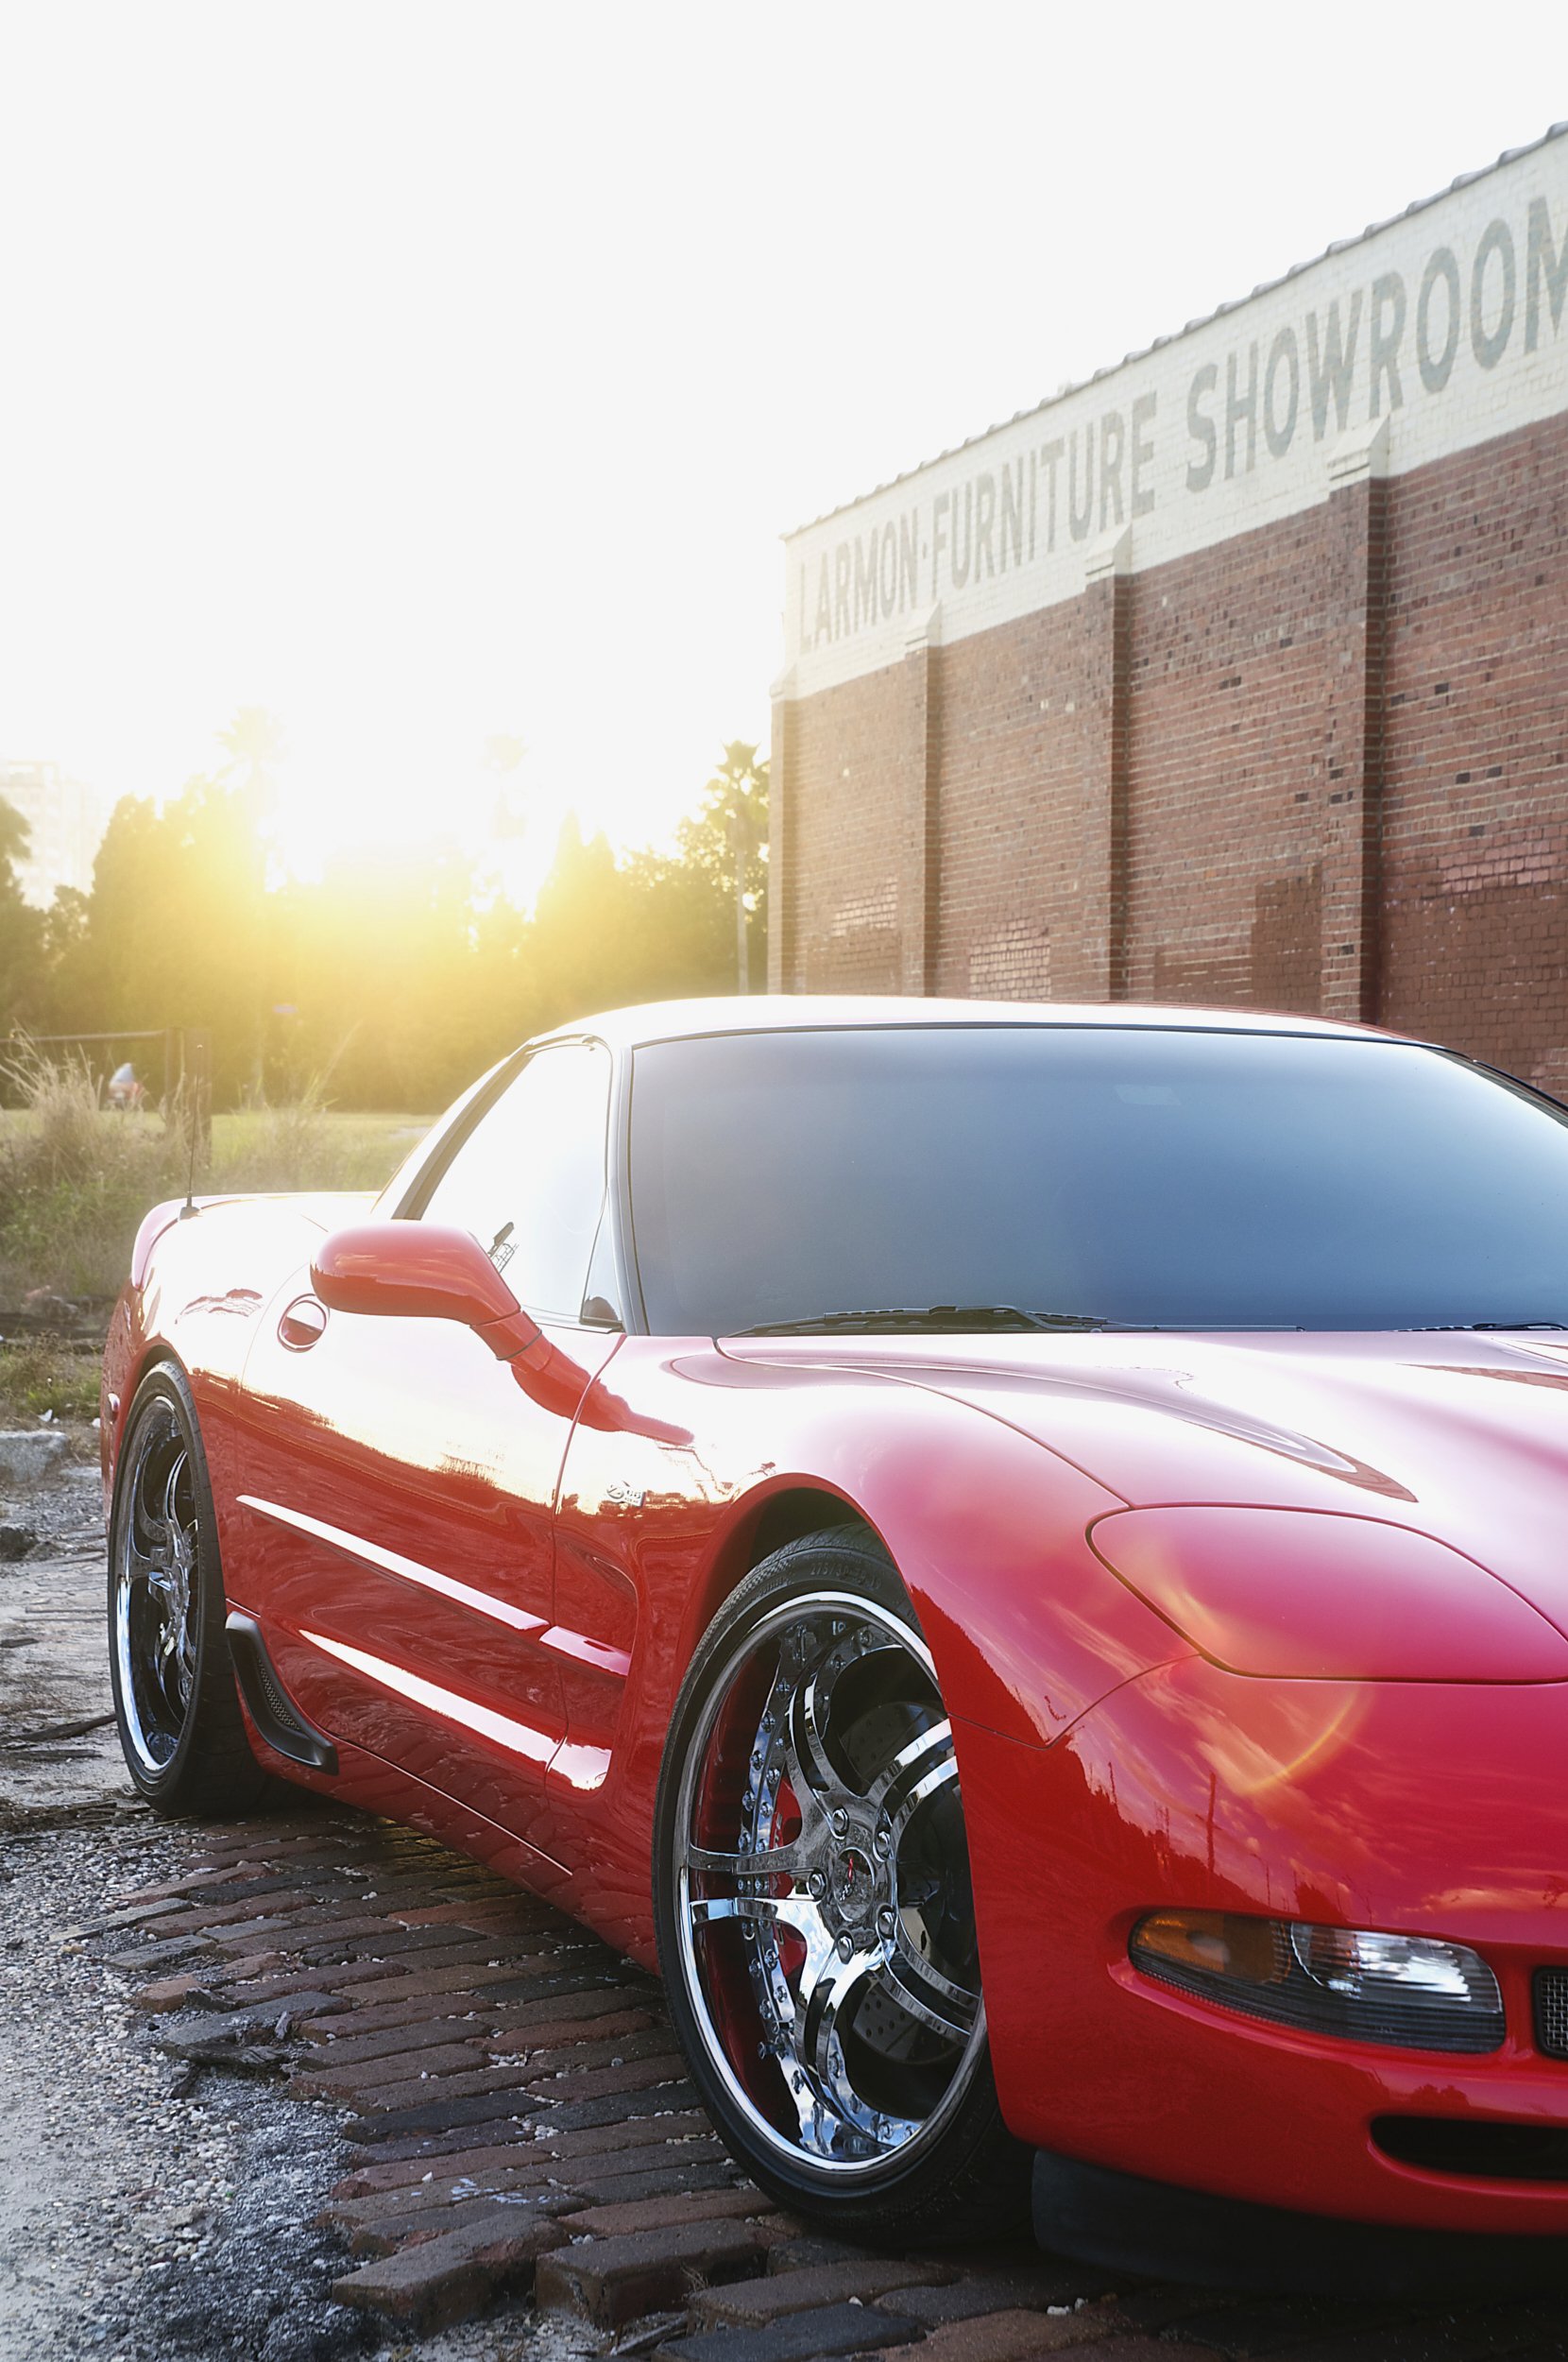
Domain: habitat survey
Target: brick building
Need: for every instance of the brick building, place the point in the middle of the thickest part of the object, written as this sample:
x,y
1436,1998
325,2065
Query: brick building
x,y
1238,675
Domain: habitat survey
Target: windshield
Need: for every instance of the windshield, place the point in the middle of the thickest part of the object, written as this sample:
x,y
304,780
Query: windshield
x,y
1143,1177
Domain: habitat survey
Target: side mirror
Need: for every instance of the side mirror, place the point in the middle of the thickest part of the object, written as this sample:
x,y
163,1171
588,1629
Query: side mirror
x,y
419,1271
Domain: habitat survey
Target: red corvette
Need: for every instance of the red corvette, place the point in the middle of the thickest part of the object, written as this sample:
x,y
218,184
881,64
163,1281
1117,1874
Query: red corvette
x,y
1021,1554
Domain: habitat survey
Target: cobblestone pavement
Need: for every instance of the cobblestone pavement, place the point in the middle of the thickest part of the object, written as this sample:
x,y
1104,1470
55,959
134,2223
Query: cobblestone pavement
x,y
314,2086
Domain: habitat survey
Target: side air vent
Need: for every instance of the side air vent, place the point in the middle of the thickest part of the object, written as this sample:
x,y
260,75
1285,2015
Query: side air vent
x,y
269,1705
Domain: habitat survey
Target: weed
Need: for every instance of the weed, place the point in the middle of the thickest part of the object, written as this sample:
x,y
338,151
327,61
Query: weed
x,y
301,1146
75,1178
38,1374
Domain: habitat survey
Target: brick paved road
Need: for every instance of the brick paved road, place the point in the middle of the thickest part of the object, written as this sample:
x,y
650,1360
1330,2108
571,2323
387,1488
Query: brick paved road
x,y
518,2119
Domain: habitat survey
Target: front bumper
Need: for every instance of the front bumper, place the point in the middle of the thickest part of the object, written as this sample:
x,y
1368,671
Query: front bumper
x,y
1121,2221
1425,1809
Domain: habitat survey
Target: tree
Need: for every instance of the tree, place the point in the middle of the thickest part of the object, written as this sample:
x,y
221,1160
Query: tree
x,y
378,959
508,820
253,742
179,923
21,977
729,837
403,971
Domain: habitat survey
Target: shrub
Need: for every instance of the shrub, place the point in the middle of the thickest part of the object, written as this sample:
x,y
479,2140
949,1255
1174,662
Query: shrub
x,y
75,1178
74,1181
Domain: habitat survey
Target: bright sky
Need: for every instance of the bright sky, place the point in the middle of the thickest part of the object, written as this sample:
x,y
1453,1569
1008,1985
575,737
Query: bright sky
x,y
424,373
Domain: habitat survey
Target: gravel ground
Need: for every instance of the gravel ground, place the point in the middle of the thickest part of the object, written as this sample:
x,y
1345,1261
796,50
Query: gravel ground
x,y
137,2218
146,2211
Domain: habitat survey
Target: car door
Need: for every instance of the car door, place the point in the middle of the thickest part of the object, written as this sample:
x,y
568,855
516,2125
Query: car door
x,y
400,1482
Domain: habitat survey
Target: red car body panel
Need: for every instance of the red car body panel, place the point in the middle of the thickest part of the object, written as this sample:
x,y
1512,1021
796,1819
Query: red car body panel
x,y
497,1655
1402,1805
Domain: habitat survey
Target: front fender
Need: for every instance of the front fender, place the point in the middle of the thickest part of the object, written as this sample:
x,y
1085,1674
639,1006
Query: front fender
x,y
662,1511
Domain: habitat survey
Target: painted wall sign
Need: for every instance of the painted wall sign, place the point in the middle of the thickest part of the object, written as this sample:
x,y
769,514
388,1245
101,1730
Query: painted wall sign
x,y
1443,328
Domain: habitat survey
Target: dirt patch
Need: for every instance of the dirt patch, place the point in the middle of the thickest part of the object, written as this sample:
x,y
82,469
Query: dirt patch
x,y
59,1755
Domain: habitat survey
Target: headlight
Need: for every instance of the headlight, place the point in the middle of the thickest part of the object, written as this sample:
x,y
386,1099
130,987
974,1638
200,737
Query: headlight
x,y
1320,1595
1414,1992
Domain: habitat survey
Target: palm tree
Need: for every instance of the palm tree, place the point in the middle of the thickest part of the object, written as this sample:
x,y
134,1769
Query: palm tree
x,y
254,739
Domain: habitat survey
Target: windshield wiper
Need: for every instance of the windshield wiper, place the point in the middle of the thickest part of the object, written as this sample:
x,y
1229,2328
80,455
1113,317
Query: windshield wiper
x,y
958,1317
1454,1328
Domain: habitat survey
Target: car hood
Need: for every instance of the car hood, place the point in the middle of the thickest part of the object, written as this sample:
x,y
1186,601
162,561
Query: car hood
x,y
1460,1436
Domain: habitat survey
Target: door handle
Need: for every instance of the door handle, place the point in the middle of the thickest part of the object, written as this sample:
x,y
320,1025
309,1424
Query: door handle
x,y
302,1323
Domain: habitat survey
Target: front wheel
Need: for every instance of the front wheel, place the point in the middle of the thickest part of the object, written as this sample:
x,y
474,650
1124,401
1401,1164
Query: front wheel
x,y
815,1920
178,1715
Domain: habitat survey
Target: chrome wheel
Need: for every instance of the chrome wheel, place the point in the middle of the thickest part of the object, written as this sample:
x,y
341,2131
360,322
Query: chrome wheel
x,y
185,1740
156,1604
823,1924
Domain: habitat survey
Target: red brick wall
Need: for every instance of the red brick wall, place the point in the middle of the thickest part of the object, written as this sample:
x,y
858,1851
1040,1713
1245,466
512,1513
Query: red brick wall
x,y
844,790
1265,723
1475,754
1012,751
1226,775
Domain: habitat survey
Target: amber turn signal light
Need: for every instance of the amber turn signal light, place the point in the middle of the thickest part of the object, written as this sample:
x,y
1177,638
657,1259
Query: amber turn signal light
x,y
1215,1943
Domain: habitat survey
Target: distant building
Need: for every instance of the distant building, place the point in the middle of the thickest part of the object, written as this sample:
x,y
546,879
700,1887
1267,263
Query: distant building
x,y
1237,675
66,819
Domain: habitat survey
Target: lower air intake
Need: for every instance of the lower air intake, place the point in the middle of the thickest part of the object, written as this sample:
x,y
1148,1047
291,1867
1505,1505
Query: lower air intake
x,y
1475,2149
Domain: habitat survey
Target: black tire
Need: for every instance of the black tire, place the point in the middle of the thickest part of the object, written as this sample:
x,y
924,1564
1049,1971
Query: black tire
x,y
830,2008
175,1702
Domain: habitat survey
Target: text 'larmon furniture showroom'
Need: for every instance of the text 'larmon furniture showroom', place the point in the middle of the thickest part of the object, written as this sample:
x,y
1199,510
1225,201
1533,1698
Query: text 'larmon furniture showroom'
x,y
1238,675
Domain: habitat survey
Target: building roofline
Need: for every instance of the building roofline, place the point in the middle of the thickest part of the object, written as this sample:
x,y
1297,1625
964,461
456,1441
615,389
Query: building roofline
x,y
1266,287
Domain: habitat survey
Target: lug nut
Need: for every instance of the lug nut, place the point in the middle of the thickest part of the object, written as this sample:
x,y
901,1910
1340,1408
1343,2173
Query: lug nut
x,y
817,1883
847,1948
882,1841
887,1920
840,1821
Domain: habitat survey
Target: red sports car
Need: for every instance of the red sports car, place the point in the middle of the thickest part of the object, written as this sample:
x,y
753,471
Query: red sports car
x,y
1020,1552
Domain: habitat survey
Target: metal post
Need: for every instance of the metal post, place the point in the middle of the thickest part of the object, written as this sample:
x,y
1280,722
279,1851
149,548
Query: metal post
x,y
198,1045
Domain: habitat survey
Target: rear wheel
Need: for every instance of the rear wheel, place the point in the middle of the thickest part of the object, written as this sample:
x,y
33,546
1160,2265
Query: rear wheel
x,y
175,1702
815,1920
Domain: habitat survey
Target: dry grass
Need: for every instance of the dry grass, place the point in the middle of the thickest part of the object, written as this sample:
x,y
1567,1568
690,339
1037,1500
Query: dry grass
x,y
75,1178
40,1375
305,1146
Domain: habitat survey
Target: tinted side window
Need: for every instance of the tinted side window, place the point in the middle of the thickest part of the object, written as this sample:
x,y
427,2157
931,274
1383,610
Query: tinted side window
x,y
529,1182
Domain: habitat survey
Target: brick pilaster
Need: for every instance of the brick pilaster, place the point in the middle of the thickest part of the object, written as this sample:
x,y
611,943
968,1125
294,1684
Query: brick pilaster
x,y
1095,966
919,764
1353,728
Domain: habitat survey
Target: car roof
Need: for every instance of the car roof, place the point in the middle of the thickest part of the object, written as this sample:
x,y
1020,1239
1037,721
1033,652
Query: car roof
x,y
764,1013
